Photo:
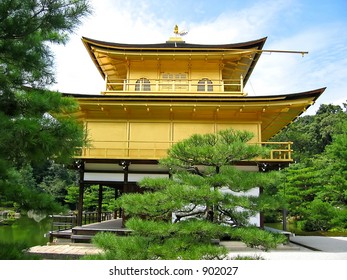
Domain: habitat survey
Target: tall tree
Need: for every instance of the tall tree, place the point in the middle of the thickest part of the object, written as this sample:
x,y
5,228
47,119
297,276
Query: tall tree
x,y
34,121
312,133
315,188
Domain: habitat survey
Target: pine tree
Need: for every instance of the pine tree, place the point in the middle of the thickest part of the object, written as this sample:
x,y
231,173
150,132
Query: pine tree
x,y
206,198
35,123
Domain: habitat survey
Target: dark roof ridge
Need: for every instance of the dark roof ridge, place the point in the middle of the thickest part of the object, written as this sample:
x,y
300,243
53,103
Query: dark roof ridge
x,y
259,43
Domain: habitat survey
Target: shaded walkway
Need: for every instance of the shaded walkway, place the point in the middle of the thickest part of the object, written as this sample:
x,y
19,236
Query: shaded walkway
x,y
303,248
109,224
322,243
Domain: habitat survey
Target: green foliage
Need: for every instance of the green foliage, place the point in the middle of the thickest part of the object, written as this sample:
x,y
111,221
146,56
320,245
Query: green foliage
x,y
190,195
163,240
192,230
71,197
121,248
187,240
91,198
312,133
205,194
36,123
27,27
15,251
257,238
319,215
337,150
54,179
215,150
33,135
20,187
315,189
339,220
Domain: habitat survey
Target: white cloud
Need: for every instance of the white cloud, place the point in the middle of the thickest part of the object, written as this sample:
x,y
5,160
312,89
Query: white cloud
x,y
138,22
249,23
324,66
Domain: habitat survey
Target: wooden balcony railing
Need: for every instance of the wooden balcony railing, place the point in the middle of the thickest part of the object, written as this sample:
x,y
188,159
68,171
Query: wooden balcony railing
x,y
65,222
178,86
278,151
62,225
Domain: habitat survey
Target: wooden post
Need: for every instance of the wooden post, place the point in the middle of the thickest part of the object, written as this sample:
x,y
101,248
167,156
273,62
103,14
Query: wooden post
x,y
80,167
80,204
115,212
100,204
284,219
125,166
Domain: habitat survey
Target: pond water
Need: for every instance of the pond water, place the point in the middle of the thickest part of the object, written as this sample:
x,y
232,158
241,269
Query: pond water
x,y
26,230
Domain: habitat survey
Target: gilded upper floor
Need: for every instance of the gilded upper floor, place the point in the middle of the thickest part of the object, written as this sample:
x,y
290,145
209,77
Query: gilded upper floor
x,y
174,67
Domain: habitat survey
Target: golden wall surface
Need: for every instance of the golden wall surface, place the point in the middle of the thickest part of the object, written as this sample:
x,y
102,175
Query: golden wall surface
x,y
150,140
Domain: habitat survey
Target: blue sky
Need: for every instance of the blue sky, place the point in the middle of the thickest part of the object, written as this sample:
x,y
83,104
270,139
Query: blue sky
x,y
319,27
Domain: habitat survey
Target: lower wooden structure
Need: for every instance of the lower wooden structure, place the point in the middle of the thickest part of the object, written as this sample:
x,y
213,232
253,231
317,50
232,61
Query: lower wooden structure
x,y
84,234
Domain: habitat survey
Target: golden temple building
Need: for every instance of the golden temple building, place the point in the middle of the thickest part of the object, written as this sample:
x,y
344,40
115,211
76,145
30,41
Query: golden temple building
x,y
158,94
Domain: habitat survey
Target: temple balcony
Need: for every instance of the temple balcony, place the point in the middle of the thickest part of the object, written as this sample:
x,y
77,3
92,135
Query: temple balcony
x,y
175,87
148,150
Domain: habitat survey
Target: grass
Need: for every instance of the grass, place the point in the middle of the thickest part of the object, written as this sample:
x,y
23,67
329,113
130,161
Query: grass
x,y
15,251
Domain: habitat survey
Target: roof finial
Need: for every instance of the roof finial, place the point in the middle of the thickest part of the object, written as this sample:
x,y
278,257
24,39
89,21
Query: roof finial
x,y
180,33
176,29
177,38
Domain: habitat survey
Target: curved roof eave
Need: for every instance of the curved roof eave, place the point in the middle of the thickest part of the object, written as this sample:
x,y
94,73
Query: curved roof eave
x,y
313,94
277,111
176,46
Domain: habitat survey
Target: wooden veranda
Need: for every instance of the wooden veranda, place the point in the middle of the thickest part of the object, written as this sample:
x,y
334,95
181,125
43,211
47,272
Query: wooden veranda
x,y
64,228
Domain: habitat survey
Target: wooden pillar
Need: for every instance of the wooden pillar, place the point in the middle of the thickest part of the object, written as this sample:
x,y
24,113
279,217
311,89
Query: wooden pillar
x,y
100,203
125,166
115,211
80,204
284,219
80,167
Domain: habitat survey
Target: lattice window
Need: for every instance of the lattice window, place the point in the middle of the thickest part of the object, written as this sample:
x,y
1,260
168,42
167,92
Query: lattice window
x,y
205,85
143,84
174,81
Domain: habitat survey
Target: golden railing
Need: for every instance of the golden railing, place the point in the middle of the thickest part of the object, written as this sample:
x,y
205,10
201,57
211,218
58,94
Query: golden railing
x,y
234,86
277,151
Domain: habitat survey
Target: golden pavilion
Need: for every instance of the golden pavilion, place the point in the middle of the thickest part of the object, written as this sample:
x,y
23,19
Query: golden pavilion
x,y
158,94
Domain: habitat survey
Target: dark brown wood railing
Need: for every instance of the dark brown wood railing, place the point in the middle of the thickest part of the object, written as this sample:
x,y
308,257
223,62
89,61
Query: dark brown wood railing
x,y
66,222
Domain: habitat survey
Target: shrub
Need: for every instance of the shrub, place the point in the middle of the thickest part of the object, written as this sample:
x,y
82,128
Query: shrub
x,y
319,215
258,238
